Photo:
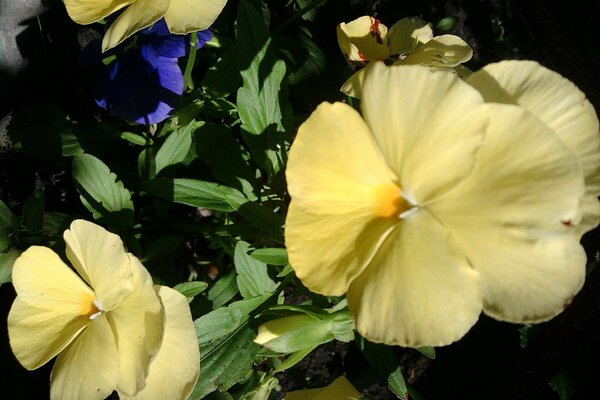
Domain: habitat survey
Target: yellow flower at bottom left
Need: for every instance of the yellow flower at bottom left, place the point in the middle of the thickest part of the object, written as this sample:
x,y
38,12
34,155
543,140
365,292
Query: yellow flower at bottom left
x,y
104,319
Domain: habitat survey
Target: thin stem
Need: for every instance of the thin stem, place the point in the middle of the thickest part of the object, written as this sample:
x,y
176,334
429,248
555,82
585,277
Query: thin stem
x,y
187,77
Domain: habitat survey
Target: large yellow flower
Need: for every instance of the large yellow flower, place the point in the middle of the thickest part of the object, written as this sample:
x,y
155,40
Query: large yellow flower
x,y
435,205
339,389
409,41
182,16
106,325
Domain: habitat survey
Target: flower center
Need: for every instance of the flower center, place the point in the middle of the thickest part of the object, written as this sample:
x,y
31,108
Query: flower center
x,y
91,307
390,202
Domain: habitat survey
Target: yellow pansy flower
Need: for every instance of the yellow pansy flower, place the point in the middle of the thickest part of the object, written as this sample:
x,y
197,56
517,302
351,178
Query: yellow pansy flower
x,y
181,16
105,323
409,41
434,205
339,389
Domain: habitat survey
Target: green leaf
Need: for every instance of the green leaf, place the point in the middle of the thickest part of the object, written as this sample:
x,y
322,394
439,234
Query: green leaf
x,y
193,192
33,212
39,131
191,289
227,365
223,290
216,146
397,384
253,278
223,78
134,138
6,263
216,197
428,352
293,359
273,256
259,98
227,349
175,148
101,192
7,218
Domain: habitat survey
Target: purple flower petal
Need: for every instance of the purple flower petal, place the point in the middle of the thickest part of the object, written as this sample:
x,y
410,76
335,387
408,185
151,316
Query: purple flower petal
x,y
140,86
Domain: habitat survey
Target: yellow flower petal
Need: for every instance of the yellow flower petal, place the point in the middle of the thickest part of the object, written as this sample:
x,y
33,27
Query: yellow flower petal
x,y
343,195
88,368
185,16
100,259
138,324
512,217
174,371
339,389
442,52
407,34
51,307
139,15
89,11
353,86
364,39
419,289
561,106
428,124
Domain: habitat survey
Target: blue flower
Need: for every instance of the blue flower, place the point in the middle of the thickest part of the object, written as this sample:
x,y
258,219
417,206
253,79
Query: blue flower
x,y
144,82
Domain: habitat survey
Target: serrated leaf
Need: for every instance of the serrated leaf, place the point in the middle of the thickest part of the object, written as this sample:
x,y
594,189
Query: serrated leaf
x,y
273,256
175,148
253,278
102,192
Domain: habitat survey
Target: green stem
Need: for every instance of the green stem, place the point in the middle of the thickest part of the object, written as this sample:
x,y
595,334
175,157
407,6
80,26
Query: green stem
x,y
187,76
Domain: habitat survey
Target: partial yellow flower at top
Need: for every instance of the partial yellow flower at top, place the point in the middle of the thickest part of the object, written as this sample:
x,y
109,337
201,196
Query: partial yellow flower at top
x,y
409,41
339,389
106,325
182,16
435,205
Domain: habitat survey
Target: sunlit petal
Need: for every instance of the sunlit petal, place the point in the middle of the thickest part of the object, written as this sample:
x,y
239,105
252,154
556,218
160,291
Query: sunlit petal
x,y
364,39
513,217
88,368
185,16
100,259
138,15
344,198
408,33
339,389
419,289
353,86
561,106
174,371
441,52
51,308
428,124
89,11
138,324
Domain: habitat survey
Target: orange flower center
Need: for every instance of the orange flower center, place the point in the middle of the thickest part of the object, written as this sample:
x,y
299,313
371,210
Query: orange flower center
x,y
90,307
389,201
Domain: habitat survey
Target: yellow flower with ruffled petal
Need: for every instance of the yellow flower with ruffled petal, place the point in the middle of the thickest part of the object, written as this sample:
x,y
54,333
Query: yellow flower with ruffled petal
x,y
181,16
435,205
339,389
409,41
106,323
